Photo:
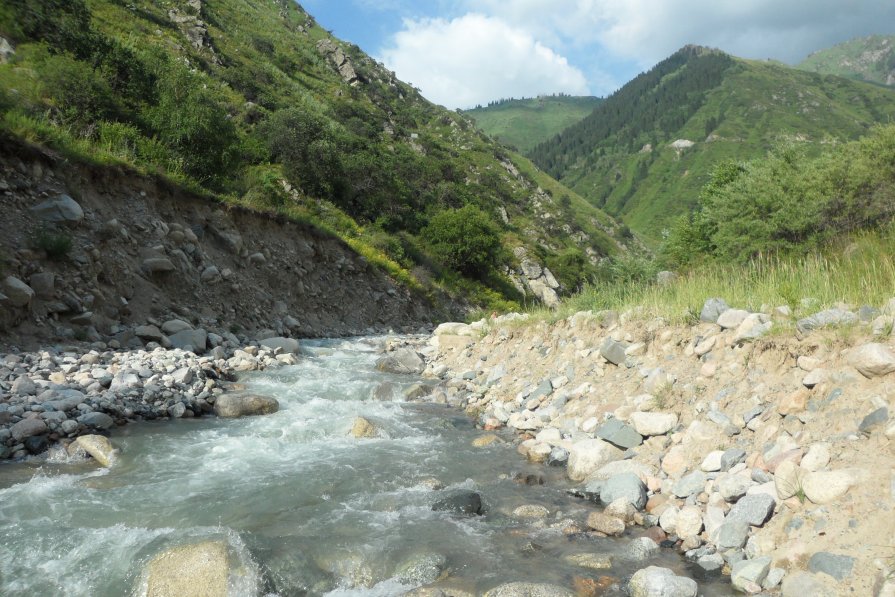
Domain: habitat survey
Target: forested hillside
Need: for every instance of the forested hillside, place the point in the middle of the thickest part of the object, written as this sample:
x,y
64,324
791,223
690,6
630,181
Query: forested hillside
x,y
524,123
645,153
255,104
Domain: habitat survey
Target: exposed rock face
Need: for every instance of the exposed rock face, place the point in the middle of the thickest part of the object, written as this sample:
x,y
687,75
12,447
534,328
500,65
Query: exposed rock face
x,y
193,27
131,261
334,53
531,277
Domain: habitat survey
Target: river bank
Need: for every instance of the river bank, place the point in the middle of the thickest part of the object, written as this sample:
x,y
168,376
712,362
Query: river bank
x,y
758,454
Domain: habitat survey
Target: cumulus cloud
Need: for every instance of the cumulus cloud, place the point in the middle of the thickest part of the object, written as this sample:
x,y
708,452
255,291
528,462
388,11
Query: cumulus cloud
x,y
476,58
649,30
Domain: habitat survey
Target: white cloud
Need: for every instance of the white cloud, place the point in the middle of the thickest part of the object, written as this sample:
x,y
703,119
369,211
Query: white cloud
x,y
474,59
649,30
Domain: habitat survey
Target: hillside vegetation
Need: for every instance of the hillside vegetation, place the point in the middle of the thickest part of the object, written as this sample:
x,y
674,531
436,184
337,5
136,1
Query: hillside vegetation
x,y
255,104
644,154
870,59
524,123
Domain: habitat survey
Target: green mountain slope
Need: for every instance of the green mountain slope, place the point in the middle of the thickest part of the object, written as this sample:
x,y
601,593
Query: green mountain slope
x,y
870,59
253,103
645,153
523,123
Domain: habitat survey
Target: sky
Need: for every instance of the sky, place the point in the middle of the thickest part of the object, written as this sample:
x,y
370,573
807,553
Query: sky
x,y
461,53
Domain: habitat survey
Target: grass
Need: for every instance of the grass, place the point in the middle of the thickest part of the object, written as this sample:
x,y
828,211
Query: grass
x,y
524,123
859,272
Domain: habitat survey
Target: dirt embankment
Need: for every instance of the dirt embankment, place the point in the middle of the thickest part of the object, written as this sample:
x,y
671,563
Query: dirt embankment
x,y
769,459
92,253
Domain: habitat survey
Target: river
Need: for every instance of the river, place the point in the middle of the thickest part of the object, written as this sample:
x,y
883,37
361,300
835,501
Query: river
x,y
304,507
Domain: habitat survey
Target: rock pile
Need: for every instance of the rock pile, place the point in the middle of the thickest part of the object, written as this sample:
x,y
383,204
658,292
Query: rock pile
x,y
762,459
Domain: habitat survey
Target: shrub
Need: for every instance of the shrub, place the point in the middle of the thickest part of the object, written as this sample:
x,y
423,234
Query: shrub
x,y
77,92
570,267
465,240
55,244
190,119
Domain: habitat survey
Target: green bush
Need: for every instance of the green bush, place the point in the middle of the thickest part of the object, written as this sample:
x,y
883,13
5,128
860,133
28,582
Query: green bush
x,y
309,149
57,245
78,94
465,240
570,267
191,120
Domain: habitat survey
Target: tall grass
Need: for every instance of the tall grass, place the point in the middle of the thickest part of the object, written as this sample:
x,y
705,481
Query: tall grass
x,y
858,272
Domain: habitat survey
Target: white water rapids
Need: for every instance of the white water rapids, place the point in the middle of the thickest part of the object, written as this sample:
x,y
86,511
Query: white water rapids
x,y
305,508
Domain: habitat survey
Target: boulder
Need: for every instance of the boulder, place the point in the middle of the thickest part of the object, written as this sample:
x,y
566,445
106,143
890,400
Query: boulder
x,y
648,423
59,210
286,345
124,381
837,566
527,589
712,309
690,484
654,581
96,419
619,434
24,386
754,508
200,569
688,522
149,333
461,502
613,351
97,446
455,329
421,569
194,340
641,549
172,326
627,486
157,265
747,575
732,318
824,487
872,360
236,405
404,361
18,294
43,284
603,523
28,428
364,428
731,535
589,455
830,317
803,584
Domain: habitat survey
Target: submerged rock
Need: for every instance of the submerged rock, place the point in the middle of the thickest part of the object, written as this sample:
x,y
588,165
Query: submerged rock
x,y
233,405
364,428
461,502
421,569
528,589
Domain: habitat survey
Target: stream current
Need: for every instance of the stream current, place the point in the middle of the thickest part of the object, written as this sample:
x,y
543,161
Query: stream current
x,y
305,508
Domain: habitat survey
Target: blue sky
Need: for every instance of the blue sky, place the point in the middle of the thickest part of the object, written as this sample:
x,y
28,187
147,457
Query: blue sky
x,y
465,52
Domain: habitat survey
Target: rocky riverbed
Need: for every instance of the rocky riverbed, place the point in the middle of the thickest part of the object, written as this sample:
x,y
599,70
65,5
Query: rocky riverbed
x,y
758,454
56,395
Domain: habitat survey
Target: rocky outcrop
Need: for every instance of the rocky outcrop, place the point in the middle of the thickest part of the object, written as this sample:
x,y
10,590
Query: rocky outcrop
x,y
342,63
193,27
530,277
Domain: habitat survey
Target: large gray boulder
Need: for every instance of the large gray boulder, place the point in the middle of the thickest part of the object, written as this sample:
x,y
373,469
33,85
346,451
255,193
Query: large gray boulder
x,y
18,294
613,351
404,361
59,209
28,428
286,345
619,434
194,340
653,581
712,309
627,486
588,456
236,405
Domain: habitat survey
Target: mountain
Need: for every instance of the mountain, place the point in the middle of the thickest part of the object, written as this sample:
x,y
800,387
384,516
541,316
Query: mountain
x,y
644,154
870,59
524,123
254,104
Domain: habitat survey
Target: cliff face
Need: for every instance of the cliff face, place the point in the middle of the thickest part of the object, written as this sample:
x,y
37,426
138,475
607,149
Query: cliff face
x,y
91,254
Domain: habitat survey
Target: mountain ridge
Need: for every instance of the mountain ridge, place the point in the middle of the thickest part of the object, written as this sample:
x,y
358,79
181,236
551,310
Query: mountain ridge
x,y
870,59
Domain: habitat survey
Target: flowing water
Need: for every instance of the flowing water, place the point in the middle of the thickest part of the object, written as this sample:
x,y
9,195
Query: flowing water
x,y
304,507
